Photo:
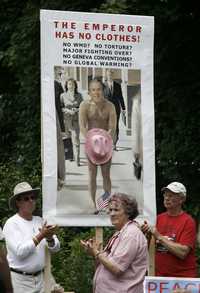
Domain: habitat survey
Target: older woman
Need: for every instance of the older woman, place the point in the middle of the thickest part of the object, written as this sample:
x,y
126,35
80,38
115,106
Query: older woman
x,y
122,265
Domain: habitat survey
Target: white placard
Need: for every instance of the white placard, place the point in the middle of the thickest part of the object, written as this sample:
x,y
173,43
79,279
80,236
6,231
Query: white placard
x,y
82,46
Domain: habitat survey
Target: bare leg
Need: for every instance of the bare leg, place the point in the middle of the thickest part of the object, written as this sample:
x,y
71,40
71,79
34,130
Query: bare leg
x,y
92,180
105,171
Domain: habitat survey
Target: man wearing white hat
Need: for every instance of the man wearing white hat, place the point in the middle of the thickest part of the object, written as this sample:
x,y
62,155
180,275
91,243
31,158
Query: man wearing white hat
x,y
175,235
26,238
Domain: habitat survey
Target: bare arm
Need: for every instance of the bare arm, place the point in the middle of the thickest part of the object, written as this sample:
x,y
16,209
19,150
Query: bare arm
x,y
83,118
177,249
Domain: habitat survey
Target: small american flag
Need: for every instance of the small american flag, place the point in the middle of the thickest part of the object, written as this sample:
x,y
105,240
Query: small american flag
x,y
102,201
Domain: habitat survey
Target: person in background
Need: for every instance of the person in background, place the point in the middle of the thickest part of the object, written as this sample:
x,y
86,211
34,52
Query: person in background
x,y
70,102
122,265
58,90
98,113
175,236
113,92
26,238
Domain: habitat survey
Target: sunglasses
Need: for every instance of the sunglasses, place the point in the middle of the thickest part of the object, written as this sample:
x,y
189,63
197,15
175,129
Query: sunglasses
x,y
27,198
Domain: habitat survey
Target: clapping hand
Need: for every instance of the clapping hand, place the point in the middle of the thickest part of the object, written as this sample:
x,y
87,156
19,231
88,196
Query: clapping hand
x,y
47,231
145,227
91,246
148,231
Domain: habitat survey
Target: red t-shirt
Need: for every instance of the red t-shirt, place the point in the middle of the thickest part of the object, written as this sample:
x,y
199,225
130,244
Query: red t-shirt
x,y
181,229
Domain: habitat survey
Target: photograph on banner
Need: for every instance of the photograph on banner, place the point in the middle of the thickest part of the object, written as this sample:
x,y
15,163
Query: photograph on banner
x,y
172,285
126,146
97,114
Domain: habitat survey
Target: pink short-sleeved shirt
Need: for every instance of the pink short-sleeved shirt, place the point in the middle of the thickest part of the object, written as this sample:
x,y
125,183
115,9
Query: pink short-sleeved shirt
x,y
129,253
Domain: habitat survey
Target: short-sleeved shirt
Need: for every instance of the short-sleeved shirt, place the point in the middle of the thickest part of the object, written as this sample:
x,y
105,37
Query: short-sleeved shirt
x,y
180,229
129,253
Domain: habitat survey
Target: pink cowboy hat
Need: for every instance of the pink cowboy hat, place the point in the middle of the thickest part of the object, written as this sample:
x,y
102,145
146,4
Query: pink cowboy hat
x,y
98,146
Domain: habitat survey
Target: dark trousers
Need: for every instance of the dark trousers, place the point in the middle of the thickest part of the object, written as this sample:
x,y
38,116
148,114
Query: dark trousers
x,y
68,146
117,128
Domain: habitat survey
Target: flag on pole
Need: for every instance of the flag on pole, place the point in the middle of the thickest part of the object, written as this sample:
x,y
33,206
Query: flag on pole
x,y
102,201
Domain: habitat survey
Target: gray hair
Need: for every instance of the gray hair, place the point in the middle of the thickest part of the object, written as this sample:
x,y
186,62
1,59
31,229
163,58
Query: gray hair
x,y
129,204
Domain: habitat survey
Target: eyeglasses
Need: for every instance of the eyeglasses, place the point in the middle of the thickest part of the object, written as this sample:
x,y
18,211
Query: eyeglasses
x,y
27,198
171,196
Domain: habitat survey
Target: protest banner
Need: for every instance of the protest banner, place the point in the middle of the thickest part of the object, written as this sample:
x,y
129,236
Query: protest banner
x,y
170,285
80,46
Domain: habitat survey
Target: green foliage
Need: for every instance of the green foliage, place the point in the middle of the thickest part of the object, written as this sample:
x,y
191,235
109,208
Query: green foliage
x,y
72,268
114,6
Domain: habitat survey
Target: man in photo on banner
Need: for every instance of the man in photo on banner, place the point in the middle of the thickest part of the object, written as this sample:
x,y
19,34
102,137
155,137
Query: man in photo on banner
x,y
97,119
26,238
175,236
113,92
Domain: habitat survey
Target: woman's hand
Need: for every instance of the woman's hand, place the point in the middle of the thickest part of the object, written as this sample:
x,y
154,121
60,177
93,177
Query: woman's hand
x,y
93,248
90,246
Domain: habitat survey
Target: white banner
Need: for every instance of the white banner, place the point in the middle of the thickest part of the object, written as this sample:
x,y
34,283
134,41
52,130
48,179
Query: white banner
x,y
170,284
75,48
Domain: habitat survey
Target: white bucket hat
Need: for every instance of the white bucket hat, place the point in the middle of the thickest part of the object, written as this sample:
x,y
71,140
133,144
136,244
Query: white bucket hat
x,y
20,189
176,187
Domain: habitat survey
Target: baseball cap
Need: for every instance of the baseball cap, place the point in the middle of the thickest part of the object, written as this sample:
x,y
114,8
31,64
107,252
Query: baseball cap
x,y
176,187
